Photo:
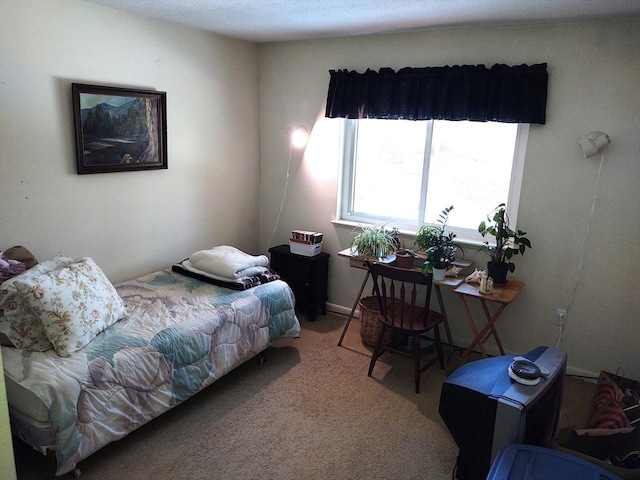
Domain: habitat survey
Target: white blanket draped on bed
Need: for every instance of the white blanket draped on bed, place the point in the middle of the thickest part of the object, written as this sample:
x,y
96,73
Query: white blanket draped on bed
x,y
229,262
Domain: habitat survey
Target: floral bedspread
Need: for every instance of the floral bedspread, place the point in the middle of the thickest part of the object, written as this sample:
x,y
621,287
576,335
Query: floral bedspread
x,y
180,336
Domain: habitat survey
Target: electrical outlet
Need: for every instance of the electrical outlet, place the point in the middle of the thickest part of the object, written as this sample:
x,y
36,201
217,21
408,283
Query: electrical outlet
x,y
561,317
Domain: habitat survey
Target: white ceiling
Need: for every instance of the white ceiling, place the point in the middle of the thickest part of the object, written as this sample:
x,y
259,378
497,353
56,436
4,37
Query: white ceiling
x,y
281,20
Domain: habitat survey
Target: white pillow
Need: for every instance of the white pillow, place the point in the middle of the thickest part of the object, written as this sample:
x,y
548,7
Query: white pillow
x,y
19,323
74,304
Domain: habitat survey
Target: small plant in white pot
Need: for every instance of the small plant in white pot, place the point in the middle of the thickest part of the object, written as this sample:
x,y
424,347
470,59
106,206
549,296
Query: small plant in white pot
x,y
438,245
507,244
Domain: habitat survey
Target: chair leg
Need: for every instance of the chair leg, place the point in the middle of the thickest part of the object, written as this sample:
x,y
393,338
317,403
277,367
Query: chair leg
x,y
416,359
436,331
377,350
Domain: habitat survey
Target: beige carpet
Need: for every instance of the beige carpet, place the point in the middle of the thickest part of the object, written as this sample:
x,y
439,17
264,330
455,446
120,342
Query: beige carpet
x,y
309,412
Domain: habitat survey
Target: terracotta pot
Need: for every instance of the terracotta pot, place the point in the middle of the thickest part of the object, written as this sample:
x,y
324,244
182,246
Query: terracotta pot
x,y
404,260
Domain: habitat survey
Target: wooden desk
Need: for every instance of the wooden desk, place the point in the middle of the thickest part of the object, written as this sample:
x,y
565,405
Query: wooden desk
x,y
451,282
502,295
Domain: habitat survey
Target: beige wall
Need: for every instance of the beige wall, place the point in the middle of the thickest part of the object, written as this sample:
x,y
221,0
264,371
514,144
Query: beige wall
x,y
135,222
594,72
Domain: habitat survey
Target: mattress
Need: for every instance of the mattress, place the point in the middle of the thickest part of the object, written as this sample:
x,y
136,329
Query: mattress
x,y
180,336
25,402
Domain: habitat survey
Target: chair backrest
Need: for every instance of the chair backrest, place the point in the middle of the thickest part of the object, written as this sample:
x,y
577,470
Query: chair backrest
x,y
398,295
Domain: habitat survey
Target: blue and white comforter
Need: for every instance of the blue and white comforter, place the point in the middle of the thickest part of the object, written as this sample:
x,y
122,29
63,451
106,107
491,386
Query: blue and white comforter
x,y
180,336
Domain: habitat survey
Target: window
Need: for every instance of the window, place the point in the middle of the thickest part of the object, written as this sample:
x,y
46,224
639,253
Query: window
x,y
403,173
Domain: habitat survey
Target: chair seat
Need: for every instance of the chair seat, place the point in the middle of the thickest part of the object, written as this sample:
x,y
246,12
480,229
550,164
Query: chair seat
x,y
411,324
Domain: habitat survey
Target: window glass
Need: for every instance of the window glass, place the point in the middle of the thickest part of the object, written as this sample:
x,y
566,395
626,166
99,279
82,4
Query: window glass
x,y
471,164
404,173
388,168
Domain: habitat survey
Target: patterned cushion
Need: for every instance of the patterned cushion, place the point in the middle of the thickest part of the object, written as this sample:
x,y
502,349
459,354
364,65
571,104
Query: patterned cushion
x,y
21,326
74,304
606,409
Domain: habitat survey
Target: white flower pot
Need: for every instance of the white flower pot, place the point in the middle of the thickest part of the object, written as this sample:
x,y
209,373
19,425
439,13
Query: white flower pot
x,y
438,273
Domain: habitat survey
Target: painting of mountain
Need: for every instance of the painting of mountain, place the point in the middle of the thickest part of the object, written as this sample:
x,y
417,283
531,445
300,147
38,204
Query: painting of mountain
x,y
119,130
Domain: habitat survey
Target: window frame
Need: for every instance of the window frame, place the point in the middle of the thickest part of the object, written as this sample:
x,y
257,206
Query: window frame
x,y
348,135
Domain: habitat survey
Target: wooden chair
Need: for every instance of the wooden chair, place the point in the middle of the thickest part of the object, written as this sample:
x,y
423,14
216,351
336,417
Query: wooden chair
x,y
406,311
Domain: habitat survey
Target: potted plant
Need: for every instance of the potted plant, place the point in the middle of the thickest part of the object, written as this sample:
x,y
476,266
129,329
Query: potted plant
x,y
373,241
405,257
507,244
437,244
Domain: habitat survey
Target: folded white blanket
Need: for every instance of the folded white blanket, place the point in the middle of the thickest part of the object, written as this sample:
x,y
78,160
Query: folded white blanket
x,y
229,262
189,266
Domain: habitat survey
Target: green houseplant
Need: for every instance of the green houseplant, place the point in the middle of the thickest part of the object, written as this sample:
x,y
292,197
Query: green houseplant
x,y
437,243
507,244
373,241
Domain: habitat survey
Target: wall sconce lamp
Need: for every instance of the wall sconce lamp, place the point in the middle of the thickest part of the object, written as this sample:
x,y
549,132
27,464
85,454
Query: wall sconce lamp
x,y
594,143
299,136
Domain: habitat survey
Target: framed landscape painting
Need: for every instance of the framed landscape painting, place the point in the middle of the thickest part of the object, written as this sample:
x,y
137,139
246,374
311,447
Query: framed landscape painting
x,y
118,129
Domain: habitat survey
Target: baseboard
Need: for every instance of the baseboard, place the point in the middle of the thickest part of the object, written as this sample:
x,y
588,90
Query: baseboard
x,y
584,374
332,307
491,350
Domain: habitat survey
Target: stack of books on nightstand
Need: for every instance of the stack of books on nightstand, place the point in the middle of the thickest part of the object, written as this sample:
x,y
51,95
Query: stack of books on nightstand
x,y
306,243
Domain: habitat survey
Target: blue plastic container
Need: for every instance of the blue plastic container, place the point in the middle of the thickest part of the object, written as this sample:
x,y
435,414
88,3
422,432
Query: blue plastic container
x,y
528,462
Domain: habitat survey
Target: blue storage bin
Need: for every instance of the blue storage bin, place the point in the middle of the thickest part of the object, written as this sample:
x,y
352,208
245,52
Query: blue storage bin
x,y
528,462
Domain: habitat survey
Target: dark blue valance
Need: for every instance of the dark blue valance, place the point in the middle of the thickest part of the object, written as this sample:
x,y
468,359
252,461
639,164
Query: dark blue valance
x,y
502,93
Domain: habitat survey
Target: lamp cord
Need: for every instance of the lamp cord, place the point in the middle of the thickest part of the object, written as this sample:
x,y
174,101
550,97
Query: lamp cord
x,y
584,241
284,194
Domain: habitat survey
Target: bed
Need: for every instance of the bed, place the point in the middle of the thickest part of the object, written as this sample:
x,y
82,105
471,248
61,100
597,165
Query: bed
x,y
180,334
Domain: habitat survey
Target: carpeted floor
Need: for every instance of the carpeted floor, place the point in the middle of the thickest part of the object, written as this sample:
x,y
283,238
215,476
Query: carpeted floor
x,y
309,412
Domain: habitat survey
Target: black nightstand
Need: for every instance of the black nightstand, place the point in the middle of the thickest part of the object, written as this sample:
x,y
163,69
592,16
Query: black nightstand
x,y
307,277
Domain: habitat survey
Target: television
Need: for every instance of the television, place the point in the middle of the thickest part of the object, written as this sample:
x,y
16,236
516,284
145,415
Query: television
x,y
485,409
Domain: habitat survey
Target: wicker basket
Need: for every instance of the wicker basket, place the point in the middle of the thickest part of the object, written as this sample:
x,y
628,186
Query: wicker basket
x,y
370,325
